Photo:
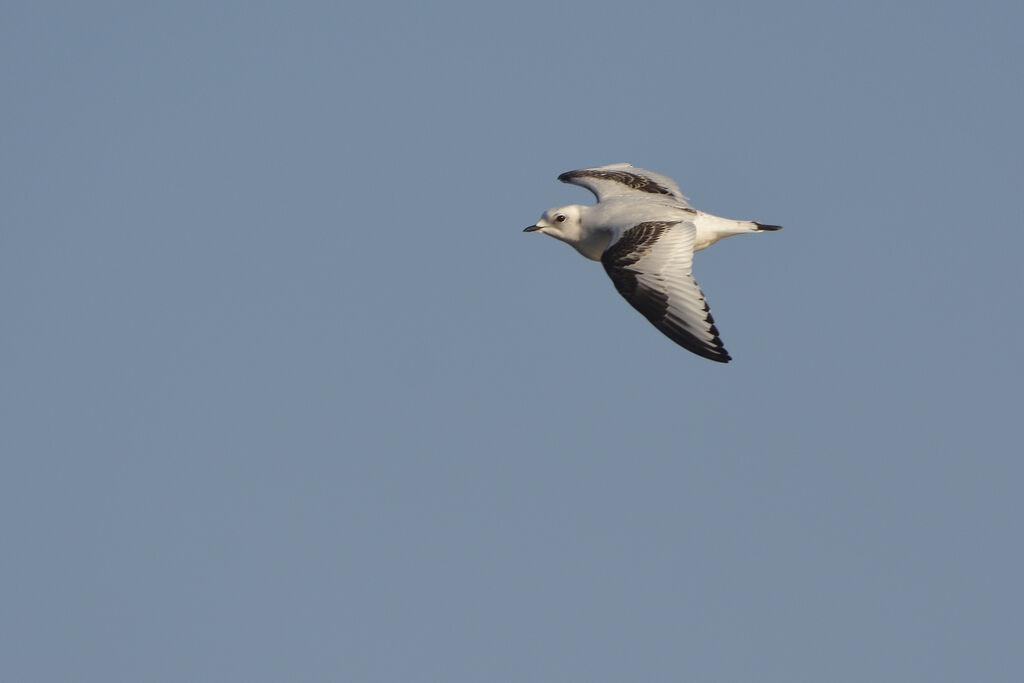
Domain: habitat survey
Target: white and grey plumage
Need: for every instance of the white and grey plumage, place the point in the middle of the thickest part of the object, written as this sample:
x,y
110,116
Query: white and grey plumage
x,y
644,232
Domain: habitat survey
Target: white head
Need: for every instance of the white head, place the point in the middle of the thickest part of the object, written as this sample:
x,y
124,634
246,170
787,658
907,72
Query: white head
x,y
562,223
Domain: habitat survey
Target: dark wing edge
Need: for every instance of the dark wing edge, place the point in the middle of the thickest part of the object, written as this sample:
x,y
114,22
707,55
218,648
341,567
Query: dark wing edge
x,y
653,303
633,181
624,180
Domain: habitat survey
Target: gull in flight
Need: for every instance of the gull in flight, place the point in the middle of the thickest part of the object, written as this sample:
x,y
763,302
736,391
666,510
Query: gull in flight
x,y
644,233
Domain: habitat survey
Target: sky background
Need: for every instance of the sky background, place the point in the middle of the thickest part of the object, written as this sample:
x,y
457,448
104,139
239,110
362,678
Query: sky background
x,y
288,395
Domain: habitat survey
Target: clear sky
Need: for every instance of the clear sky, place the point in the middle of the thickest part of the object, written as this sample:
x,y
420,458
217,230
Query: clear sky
x,y
288,395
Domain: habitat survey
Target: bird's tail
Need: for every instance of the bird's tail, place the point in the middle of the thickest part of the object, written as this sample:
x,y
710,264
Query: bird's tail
x,y
710,229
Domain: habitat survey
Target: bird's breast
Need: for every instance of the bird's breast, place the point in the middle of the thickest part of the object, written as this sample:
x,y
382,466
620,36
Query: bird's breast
x,y
594,244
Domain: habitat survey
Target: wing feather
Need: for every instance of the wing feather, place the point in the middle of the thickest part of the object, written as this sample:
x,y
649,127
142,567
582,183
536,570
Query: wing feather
x,y
651,266
625,180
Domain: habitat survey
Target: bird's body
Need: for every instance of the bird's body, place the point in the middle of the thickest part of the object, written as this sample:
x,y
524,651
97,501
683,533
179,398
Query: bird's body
x,y
645,232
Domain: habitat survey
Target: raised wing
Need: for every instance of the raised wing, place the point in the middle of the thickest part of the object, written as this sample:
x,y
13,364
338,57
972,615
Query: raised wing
x,y
651,265
625,180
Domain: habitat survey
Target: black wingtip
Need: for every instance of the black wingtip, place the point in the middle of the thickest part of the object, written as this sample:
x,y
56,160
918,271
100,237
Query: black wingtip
x,y
762,226
566,177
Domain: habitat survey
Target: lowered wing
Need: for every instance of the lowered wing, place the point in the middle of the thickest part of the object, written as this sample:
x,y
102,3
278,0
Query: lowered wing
x,y
651,265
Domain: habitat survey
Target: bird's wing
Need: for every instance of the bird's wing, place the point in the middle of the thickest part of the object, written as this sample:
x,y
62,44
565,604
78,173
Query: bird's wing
x,y
651,264
625,180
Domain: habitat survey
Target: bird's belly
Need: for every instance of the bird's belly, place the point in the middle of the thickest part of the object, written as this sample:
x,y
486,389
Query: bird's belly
x,y
705,238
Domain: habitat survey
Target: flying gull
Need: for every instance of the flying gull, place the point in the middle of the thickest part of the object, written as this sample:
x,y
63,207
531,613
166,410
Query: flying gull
x,y
644,233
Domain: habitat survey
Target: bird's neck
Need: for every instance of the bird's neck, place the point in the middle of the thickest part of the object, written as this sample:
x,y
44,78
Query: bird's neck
x,y
592,243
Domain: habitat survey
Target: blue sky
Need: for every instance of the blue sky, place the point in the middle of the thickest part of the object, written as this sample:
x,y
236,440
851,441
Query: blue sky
x,y
288,395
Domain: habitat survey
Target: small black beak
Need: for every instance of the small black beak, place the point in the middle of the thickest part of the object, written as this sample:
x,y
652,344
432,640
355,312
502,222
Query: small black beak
x,y
532,228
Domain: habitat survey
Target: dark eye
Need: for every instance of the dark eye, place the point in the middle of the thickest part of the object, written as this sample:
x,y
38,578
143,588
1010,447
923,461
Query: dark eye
x,y
560,218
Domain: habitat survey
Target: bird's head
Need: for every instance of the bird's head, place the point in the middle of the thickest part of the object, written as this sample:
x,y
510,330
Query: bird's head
x,y
562,223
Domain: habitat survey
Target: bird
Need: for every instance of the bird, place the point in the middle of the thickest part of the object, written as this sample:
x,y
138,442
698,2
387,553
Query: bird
x,y
644,232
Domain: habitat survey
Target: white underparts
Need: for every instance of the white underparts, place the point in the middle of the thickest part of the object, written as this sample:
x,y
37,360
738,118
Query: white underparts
x,y
710,229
